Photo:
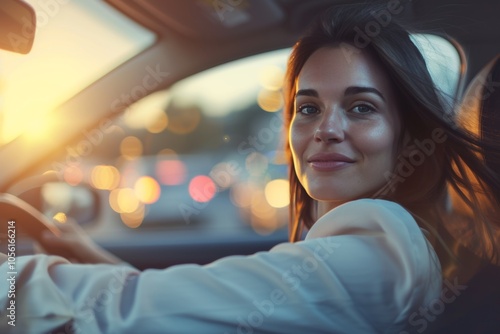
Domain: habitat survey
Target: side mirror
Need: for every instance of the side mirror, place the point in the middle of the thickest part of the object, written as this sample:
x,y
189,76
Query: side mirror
x,y
17,26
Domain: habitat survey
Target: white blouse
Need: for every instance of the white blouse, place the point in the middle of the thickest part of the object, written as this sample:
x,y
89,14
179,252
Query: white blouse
x,y
364,267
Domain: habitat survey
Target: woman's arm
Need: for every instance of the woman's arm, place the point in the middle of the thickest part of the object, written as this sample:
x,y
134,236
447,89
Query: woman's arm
x,y
367,280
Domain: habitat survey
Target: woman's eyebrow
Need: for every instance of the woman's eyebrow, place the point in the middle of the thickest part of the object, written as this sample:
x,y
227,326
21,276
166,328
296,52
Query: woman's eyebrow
x,y
307,92
352,90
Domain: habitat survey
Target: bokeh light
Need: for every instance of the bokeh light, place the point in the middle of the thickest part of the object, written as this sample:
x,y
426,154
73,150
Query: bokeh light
x,y
183,120
264,218
134,219
271,77
260,207
73,175
131,147
147,190
270,100
105,177
276,193
60,217
171,172
159,124
123,200
241,194
127,201
113,200
202,188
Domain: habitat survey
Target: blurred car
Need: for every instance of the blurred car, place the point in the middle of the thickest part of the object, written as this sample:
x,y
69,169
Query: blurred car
x,y
157,125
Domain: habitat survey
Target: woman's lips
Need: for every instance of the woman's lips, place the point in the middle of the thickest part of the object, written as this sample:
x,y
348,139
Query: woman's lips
x,y
326,162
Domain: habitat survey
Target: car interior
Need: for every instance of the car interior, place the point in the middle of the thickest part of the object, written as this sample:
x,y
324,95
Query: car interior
x,y
161,130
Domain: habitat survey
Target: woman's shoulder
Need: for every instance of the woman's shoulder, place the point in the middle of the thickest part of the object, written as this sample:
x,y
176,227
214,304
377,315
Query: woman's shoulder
x,y
381,241
360,216
385,225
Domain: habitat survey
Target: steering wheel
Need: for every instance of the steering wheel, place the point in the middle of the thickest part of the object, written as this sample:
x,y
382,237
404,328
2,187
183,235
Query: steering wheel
x,y
27,219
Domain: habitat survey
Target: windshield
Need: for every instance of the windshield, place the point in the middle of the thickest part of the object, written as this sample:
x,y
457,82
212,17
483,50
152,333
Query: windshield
x,y
60,65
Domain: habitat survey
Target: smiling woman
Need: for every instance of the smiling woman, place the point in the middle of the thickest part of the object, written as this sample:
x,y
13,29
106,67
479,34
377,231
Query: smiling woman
x,y
96,39
370,260
346,131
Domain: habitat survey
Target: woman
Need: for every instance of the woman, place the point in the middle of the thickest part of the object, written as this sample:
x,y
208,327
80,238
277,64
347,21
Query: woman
x,y
366,265
435,161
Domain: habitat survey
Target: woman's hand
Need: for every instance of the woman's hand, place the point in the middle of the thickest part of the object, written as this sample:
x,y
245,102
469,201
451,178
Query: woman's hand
x,y
76,241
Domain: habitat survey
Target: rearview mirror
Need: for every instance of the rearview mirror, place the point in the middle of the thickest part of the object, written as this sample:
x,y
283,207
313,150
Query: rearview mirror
x,y
17,26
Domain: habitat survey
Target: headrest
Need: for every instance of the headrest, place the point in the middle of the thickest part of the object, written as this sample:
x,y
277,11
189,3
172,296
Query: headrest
x,y
479,111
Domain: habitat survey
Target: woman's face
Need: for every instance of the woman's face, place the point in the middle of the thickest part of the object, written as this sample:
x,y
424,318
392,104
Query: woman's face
x,y
345,129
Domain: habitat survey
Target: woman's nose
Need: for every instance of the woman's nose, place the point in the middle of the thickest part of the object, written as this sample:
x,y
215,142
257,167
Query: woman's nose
x,y
330,128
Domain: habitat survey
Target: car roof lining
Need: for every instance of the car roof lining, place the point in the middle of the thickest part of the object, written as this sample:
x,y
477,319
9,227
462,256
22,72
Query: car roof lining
x,y
188,23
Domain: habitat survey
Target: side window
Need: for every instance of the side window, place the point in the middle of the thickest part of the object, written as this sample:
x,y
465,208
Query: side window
x,y
205,153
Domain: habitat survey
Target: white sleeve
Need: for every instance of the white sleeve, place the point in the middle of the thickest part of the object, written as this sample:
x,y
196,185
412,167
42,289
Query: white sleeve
x,y
368,279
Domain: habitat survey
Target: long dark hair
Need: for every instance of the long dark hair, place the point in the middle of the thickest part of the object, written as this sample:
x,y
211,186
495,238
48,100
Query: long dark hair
x,y
438,153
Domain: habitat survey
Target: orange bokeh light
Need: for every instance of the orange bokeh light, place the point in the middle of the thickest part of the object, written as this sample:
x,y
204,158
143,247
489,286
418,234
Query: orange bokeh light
x,y
147,190
105,177
133,219
123,200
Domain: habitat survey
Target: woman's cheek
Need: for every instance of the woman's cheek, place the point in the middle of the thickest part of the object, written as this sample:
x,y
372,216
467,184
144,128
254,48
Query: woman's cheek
x,y
376,139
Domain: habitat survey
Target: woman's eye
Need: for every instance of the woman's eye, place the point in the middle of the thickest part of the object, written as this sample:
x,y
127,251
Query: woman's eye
x,y
307,110
363,109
